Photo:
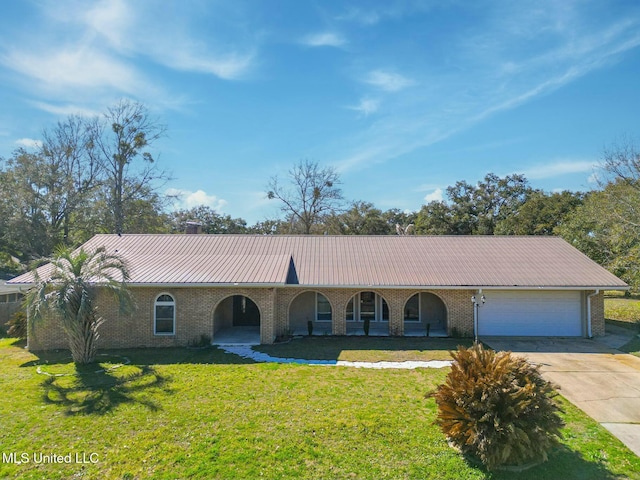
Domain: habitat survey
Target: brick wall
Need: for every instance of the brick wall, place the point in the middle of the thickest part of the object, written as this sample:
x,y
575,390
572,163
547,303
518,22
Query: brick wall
x,y
597,314
457,302
194,309
200,311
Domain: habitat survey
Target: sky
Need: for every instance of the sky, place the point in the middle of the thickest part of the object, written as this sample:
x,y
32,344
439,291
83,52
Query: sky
x,y
402,98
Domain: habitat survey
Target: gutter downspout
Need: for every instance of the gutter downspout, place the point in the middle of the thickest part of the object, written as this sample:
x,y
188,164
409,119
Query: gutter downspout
x,y
589,335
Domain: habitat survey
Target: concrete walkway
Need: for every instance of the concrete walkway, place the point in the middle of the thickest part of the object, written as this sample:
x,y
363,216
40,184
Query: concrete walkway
x,y
600,380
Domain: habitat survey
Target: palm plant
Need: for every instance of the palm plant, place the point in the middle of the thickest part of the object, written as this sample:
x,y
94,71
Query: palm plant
x,y
496,406
69,294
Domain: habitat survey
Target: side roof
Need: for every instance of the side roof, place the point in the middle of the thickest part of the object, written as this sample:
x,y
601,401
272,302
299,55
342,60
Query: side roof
x,y
342,261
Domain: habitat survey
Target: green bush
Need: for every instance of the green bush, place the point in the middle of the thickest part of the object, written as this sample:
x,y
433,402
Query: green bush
x,y
17,325
498,408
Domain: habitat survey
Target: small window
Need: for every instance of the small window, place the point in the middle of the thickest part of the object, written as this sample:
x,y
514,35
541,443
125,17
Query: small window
x,y
323,308
165,315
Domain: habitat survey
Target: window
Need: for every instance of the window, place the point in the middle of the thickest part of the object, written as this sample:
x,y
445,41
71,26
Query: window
x,y
369,305
165,315
323,308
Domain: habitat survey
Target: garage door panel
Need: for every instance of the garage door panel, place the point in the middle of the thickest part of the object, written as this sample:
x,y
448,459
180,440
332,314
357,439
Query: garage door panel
x,y
531,313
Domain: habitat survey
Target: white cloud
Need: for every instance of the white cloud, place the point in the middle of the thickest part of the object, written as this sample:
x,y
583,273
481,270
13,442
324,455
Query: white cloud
x,y
388,81
435,196
65,110
227,67
96,52
28,143
69,68
367,106
558,168
187,199
112,19
325,39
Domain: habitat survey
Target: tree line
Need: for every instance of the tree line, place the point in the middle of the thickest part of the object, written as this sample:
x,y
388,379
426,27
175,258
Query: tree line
x,y
100,175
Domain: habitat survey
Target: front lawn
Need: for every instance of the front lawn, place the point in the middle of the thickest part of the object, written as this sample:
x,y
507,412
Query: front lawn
x,y
624,312
180,413
622,309
366,349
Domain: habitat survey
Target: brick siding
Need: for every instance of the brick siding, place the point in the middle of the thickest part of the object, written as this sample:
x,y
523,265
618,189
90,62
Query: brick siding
x,y
196,315
597,314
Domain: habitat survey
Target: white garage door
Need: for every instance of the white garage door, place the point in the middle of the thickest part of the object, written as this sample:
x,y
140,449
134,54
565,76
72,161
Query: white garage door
x,y
531,313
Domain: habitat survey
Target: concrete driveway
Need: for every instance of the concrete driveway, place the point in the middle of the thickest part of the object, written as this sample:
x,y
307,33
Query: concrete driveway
x,y
600,380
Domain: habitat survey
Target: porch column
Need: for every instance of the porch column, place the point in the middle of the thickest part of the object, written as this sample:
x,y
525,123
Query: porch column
x,y
267,322
339,300
396,300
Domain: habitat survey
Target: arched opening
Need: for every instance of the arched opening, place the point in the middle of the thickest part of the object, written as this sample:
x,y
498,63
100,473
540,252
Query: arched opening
x,y
236,320
367,308
425,310
311,307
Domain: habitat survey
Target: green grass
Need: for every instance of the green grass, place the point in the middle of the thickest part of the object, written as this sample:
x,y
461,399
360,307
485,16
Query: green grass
x,y
624,312
622,309
180,413
366,349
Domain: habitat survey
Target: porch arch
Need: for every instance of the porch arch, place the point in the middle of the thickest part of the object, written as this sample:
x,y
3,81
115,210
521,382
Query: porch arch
x,y
313,306
237,312
367,305
424,309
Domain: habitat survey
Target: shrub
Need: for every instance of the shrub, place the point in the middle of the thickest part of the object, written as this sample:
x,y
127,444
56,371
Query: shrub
x,y
497,407
200,342
17,325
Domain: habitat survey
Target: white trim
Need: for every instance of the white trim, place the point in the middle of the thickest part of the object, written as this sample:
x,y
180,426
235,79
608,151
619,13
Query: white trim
x,y
164,304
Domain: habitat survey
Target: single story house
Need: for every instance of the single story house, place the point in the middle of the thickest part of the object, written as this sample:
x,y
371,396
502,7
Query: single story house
x,y
10,302
188,286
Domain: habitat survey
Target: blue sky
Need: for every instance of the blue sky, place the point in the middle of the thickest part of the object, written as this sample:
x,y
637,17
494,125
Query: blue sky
x,y
403,98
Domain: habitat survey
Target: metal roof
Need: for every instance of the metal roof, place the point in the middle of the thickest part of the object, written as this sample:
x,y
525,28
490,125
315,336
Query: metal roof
x,y
342,261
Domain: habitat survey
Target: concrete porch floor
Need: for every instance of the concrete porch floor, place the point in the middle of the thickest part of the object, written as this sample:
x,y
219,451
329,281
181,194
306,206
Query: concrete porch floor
x,y
373,332
251,335
237,336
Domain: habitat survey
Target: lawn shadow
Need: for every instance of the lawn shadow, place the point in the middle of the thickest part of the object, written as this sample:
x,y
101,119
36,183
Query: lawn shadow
x,y
148,356
333,347
563,463
130,376
94,390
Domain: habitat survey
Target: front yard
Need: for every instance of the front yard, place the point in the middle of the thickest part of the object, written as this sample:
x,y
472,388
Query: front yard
x,y
181,413
624,312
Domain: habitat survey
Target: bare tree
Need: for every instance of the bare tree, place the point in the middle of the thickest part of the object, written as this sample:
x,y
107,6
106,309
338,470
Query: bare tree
x,y
123,135
71,172
312,194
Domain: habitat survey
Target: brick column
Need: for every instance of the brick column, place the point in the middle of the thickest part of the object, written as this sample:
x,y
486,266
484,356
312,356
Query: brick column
x,y
267,322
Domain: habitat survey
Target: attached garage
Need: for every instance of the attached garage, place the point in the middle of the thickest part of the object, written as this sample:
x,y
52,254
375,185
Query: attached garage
x,y
556,313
